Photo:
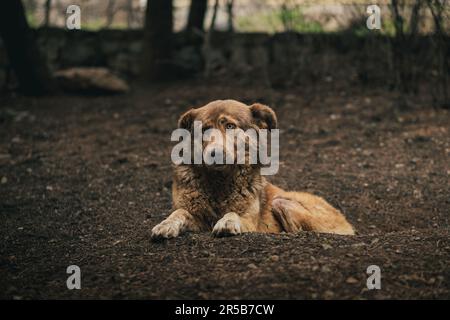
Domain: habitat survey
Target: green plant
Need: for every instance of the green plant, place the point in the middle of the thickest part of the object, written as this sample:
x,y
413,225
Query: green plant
x,y
282,19
32,21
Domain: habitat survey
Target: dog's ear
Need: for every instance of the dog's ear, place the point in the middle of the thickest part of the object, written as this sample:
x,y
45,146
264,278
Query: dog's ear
x,y
263,116
187,119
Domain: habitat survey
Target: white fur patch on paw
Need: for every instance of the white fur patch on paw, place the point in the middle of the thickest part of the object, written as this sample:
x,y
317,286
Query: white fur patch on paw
x,y
229,225
167,229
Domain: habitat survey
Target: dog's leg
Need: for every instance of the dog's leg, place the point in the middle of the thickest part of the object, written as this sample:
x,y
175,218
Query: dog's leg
x,y
229,225
288,214
296,216
180,220
232,224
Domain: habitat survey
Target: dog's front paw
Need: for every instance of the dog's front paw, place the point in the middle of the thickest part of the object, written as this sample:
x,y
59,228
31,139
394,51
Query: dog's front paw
x,y
229,225
166,230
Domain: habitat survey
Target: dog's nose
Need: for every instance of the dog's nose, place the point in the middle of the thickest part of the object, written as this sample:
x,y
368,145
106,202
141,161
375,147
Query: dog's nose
x,y
213,153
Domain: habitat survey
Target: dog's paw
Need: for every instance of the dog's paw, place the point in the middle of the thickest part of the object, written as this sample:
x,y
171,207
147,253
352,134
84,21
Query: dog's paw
x,y
229,225
166,230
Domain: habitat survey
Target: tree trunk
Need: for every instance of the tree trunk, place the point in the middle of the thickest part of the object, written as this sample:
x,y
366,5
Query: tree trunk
x,y
230,4
48,8
110,12
157,40
207,42
440,91
399,46
23,54
197,13
415,18
130,16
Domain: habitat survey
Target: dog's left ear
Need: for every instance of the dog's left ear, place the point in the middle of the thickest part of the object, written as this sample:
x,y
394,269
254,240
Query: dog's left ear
x,y
264,116
187,119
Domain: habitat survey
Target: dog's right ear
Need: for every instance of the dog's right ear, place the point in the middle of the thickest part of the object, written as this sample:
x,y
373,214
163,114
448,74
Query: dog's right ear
x,y
264,116
187,119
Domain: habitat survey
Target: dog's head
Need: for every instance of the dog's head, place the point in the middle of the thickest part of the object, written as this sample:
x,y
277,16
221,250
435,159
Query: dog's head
x,y
225,117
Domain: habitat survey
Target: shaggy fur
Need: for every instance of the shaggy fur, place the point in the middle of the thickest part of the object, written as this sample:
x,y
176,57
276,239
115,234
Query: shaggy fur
x,y
231,199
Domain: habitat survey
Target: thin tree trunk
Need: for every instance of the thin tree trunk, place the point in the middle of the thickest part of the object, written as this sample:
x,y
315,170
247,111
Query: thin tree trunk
x,y
110,12
130,16
415,18
157,40
398,46
212,26
441,91
197,12
48,8
230,4
207,42
23,53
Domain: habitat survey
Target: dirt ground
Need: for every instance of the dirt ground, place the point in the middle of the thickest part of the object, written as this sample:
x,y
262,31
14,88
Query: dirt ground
x,y
85,178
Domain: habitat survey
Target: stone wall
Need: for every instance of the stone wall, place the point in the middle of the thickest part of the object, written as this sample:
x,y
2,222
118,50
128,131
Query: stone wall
x,y
280,59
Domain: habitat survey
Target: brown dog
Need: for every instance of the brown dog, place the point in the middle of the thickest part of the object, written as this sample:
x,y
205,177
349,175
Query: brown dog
x,y
231,199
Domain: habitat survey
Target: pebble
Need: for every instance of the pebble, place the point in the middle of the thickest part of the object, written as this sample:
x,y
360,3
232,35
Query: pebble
x,y
16,140
325,269
4,180
361,244
5,158
351,280
290,97
275,258
252,266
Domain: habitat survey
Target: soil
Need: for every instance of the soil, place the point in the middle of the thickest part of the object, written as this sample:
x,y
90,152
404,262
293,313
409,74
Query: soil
x,y
85,178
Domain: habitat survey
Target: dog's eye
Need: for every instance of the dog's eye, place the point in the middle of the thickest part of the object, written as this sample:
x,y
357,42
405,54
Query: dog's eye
x,y
230,126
